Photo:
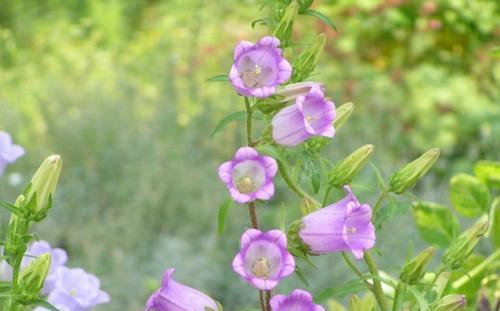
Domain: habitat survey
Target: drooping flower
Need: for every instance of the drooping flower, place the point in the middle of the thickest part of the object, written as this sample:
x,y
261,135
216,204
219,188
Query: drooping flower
x,y
9,152
36,249
259,68
297,300
343,226
311,115
292,91
249,176
76,290
174,296
263,259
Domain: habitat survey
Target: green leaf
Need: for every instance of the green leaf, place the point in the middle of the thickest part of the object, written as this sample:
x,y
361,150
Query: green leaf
x,y
301,276
272,151
321,16
393,209
232,117
261,21
218,78
224,208
469,195
12,208
436,224
489,172
350,287
316,177
422,303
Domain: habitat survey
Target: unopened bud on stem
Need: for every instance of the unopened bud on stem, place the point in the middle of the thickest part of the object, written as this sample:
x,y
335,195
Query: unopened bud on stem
x,y
344,171
306,62
32,277
414,270
452,302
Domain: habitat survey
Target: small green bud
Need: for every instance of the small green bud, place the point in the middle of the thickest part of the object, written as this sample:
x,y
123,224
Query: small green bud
x,y
41,190
343,114
453,302
344,171
413,271
355,304
407,176
295,244
464,245
285,27
32,278
305,63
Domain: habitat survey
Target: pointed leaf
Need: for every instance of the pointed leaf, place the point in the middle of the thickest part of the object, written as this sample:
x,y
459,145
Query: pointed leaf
x,y
232,117
218,78
469,195
321,16
224,208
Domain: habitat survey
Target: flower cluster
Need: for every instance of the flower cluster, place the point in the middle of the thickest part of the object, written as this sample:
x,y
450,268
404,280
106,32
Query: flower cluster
x,y
68,289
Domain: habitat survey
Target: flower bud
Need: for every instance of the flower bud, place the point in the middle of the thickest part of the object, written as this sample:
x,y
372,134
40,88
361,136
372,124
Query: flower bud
x,y
407,176
305,63
292,91
343,113
464,245
41,190
453,302
32,278
344,171
414,270
285,27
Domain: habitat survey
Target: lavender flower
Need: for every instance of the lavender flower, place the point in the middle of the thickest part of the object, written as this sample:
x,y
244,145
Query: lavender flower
x,y
259,68
9,152
310,115
58,259
263,259
75,290
297,300
343,226
174,296
249,176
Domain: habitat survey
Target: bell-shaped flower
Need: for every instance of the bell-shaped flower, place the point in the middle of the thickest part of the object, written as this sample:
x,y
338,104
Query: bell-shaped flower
x,y
9,152
297,300
259,68
75,290
174,296
343,226
249,176
311,115
263,259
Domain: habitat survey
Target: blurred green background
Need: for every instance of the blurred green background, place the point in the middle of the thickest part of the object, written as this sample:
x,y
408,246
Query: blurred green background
x,y
118,89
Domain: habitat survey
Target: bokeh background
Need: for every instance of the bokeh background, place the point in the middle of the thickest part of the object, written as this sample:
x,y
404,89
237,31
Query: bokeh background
x,y
118,89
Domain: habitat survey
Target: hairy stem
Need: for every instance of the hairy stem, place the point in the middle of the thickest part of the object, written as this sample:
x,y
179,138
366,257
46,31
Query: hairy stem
x,y
249,121
253,215
268,295
377,286
398,296
379,202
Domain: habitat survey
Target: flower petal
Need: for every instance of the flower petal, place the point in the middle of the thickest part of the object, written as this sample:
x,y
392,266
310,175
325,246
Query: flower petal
x,y
245,153
225,172
241,48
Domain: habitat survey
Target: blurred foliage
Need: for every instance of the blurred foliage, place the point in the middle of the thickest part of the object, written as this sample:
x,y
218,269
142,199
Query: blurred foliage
x,y
118,88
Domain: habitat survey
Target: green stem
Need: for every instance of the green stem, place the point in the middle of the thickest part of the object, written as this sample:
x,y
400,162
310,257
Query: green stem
x,y
398,296
377,286
472,273
249,121
327,194
289,181
356,270
379,202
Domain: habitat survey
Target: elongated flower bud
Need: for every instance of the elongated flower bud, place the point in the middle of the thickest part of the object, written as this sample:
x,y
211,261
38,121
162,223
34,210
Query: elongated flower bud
x,y
464,245
285,27
292,91
306,62
452,302
32,277
414,270
343,114
344,171
407,176
41,190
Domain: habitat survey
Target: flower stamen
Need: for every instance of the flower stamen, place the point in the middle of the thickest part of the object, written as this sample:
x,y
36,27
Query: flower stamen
x,y
261,268
246,185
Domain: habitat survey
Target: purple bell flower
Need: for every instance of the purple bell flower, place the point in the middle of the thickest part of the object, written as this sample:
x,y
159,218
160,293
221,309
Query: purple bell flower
x,y
263,259
311,115
343,226
259,68
249,176
297,300
9,152
76,290
173,296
